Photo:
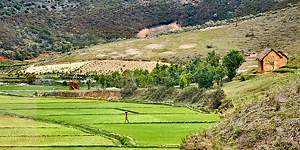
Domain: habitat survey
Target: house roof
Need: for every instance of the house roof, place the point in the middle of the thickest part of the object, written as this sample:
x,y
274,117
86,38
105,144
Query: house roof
x,y
263,54
280,52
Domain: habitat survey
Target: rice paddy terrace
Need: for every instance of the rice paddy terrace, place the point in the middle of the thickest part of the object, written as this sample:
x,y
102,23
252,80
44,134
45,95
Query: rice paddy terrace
x,y
46,123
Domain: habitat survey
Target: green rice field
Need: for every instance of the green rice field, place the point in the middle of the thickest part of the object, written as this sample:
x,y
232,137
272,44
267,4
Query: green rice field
x,y
49,123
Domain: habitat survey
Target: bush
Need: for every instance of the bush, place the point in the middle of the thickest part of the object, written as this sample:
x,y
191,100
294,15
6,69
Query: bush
x,y
209,46
217,97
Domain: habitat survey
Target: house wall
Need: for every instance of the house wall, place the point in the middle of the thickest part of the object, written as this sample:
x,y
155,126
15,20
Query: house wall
x,y
260,67
283,60
271,62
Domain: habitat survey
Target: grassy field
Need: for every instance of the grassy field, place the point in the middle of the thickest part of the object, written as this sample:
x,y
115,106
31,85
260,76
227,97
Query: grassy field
x,y
150,125
23,132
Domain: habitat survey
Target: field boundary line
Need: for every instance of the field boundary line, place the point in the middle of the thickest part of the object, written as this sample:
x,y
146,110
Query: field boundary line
x,y
163,122
108,114
75,108
118,139
73,146
30,127
64,135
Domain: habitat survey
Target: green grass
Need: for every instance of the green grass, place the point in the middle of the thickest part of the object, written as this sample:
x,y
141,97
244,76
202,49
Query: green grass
x,y
160,110
23,132
156,134
150,125
56,140
91,119
68,112
35,88
7,121
21,93
86,148
9,99
47,131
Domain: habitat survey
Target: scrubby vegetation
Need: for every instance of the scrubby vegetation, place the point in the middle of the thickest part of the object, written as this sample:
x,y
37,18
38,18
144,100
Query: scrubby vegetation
x,y
29,28
262,114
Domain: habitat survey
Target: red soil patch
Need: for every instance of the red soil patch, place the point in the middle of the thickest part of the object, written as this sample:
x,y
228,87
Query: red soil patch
x,y
4,59
31,60
44,56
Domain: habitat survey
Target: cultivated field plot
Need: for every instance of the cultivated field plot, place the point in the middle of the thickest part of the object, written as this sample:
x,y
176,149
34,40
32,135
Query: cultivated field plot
x,y
28,90
109,66
23,132
62,68
151,126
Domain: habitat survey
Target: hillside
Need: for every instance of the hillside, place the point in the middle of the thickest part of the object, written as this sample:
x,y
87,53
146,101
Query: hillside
x,y
260,113
31,27
278,30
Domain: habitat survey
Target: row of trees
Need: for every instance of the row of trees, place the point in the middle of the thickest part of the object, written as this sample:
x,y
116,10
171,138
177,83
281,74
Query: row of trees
x,y
205,73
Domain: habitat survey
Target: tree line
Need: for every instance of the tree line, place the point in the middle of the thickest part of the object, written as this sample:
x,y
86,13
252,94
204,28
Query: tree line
x,y
205,73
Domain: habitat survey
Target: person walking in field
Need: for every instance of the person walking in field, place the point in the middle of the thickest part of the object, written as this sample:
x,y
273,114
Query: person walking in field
x,y
126,117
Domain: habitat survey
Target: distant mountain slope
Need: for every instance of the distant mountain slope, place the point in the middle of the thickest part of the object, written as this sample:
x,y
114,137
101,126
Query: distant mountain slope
x,y
31,27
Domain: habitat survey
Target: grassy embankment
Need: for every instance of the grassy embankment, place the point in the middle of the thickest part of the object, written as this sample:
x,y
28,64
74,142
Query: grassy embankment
x,y
261,112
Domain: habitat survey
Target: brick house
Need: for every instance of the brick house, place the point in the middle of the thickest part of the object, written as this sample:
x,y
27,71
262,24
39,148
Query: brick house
x,y
270,60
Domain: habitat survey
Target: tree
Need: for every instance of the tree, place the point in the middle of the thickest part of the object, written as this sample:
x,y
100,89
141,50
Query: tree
x,y
102,81
169,82
213,58
204,76
220,74
232,61
217,97
30,77
182,82
89,83
96,77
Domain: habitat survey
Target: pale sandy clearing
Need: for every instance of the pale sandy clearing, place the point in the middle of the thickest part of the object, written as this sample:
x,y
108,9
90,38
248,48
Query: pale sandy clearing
x,y
155,46
169,53
101,55
187,46
163,28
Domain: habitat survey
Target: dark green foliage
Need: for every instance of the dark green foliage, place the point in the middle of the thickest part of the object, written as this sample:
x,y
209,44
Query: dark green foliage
x,y
89,83
65,83
129,88
217,97
232,61
204,76
183,81
169,82
212,58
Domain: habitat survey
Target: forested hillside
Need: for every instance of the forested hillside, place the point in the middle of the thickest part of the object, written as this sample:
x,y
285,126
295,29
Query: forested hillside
x,y
32,27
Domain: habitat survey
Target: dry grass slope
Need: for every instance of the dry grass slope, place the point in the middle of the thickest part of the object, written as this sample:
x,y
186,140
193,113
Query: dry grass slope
x,y
264,114
279,30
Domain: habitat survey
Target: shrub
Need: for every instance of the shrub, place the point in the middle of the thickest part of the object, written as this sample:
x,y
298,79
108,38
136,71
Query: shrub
x,y
217,97
209,46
